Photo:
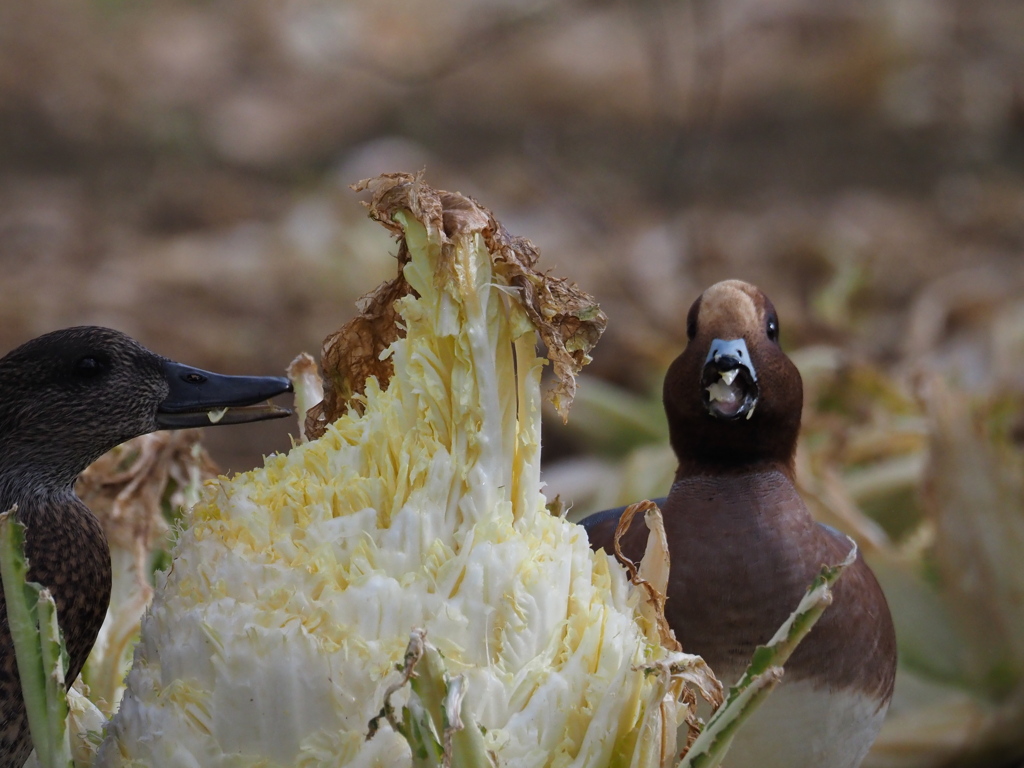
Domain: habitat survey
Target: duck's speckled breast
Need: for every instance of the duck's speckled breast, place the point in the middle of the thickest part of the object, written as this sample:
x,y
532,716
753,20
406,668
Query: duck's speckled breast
x,y
68,554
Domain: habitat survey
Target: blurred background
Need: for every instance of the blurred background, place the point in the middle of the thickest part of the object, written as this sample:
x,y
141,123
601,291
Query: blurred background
x,y
179,170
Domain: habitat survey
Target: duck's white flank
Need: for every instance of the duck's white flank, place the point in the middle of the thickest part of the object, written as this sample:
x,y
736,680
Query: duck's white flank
x,y
805,726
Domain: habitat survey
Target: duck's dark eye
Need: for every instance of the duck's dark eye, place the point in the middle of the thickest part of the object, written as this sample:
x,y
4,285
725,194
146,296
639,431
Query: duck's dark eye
x,y
773,328
90,367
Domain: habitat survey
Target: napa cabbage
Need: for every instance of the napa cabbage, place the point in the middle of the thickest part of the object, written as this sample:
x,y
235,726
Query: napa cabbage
x,y
411,529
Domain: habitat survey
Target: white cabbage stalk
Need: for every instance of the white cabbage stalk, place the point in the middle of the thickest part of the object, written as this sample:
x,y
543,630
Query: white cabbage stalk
x,y
285,616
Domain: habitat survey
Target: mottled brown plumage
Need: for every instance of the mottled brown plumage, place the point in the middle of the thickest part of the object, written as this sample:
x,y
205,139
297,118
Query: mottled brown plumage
x,y
65,399
744,547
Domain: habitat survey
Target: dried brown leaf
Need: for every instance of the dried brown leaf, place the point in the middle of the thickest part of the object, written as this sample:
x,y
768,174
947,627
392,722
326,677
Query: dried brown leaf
x,y
974,493
351,355
126,488
654,566
568,320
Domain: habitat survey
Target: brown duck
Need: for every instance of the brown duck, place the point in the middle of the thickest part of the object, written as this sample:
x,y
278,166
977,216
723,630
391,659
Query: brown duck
x,y
65,399
744,547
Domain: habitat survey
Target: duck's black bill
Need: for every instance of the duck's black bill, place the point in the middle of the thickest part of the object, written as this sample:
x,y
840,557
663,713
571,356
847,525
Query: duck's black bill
x,y
729,381
199,398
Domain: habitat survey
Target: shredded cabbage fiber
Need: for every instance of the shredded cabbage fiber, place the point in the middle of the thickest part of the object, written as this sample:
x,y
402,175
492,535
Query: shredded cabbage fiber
x,y
287,611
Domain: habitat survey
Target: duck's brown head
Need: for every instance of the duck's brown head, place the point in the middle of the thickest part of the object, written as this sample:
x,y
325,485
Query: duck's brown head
x,y
732,397
69,396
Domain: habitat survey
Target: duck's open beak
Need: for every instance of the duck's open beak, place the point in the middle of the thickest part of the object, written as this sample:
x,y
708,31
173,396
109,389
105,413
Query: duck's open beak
x,y
199,398
729,380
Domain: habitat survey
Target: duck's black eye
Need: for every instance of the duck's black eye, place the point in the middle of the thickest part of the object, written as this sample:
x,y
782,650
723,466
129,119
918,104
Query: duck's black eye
x,y
773,328
90,367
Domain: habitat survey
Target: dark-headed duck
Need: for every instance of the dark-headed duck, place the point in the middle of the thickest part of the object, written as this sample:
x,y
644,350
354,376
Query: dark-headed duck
x,y
65,399
744,548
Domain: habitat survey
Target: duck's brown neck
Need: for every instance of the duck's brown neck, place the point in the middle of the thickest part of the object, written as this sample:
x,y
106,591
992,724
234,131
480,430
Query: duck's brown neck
x,y
703,443
36,493
40,466
747,497
728,471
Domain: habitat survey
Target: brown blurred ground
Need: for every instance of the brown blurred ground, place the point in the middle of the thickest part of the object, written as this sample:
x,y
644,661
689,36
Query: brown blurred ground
x,y
179,170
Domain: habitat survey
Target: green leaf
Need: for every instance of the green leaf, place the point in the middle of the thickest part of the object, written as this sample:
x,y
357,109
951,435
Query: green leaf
x,y
55,660
438,729
38,648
